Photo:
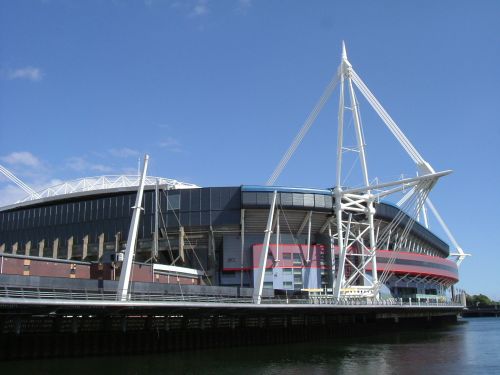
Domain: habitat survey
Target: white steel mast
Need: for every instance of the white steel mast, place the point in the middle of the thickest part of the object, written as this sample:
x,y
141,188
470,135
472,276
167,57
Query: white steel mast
x,y
123,283
354,209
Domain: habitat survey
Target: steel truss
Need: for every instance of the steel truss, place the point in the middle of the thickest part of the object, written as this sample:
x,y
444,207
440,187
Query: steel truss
x,y
354,208
441,283
459,254
352,227
101,183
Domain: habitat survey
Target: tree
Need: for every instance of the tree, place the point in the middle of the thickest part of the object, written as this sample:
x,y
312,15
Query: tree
x,y
478,300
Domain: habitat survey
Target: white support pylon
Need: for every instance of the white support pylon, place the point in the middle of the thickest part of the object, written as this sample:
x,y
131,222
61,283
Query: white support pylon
x,y
123,283
357,247
345,70
257,289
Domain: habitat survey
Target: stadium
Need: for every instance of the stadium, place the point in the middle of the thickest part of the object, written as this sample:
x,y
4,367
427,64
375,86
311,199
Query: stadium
x,y
209,236
344,241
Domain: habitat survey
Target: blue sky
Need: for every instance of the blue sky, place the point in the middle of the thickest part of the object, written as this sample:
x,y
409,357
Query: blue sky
x,y
215,91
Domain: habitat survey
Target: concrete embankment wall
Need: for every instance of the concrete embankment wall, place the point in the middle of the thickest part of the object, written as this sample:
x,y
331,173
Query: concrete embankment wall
x,y
26,337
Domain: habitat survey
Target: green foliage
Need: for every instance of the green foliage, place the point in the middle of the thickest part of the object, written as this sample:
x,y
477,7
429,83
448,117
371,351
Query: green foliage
x,y
478,300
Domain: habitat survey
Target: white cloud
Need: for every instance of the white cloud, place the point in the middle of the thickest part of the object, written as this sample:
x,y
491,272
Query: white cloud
x,y
21,158
29,73
200,9
123,152
10,194
80,164
171,144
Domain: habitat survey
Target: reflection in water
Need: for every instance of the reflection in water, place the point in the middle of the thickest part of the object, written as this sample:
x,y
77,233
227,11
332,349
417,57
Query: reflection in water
x,y
471,347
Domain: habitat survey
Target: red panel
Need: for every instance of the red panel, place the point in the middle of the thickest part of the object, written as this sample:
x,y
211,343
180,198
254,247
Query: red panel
x,y
82,271
314,255
394,268
142,273
12,266
47,268
417,269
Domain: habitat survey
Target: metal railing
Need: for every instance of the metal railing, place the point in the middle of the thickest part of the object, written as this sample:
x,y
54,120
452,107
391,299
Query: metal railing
x,y
39,295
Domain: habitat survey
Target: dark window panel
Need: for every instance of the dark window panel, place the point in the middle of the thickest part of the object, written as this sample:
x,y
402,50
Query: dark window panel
x,y
328,201
194,219
205,199
216,217
249,198
263,199
309,200
234,199
286,199
185,200
205,218
215,199
184,218
195,199
319,201
174,202
298,199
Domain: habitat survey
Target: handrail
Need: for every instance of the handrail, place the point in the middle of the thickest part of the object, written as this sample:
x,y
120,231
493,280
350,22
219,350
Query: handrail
x,y
37,294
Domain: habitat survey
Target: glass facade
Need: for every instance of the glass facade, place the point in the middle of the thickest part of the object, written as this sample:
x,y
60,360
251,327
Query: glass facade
x,y
91,219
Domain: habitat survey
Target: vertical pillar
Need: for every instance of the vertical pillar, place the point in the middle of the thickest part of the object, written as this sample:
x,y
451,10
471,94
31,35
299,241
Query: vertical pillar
x,y
69,254
370,209
117,241
308,260
212,262
123,283
55,248
15,246
85,247
337,193
277,235
463,298
363,251
332,254
181,243
101,246
117,250
242,236
339,280
257,288
2,248
41,246
154,254
27,248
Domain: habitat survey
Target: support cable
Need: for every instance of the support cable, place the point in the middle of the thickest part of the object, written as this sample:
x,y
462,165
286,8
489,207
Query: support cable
x,y
18,182
192,248
394,129
304,129
421,193
166,233
461,254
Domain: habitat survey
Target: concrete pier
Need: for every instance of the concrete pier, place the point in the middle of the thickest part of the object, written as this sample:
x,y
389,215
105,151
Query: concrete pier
x,y
89,328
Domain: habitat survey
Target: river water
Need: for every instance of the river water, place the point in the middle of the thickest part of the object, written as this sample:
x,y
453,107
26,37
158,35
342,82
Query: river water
x,y
470,347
